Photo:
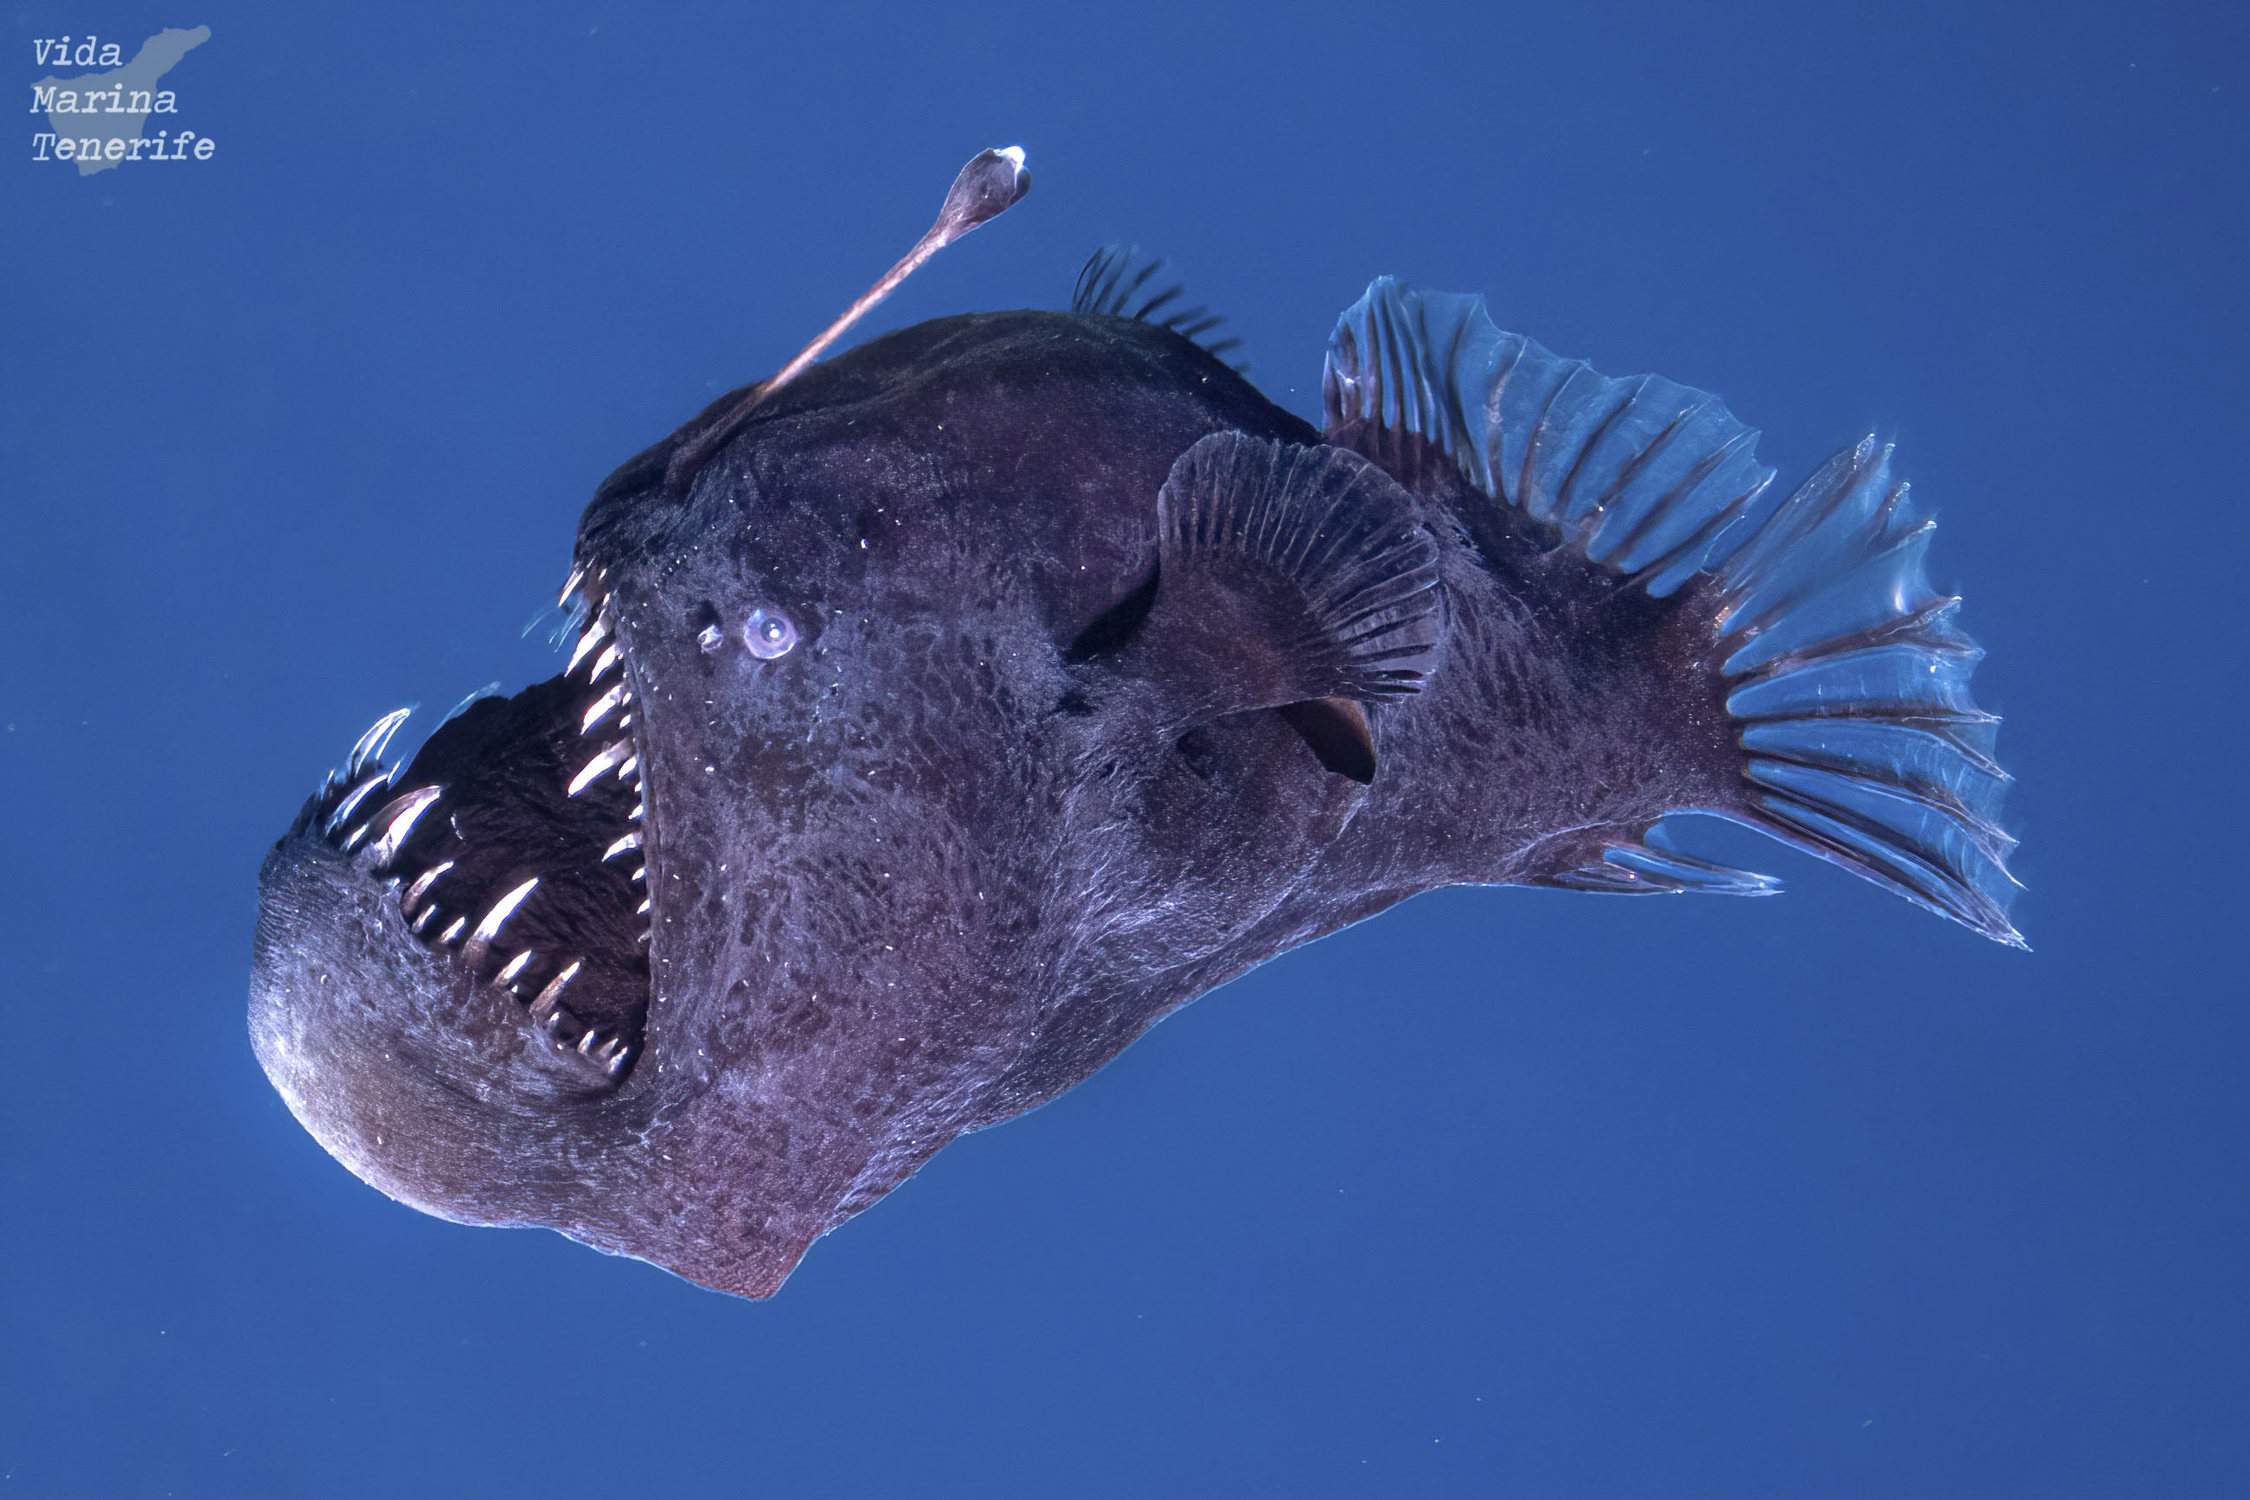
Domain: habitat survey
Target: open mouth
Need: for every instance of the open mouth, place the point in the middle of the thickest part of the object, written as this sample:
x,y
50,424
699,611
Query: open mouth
x,y
512,841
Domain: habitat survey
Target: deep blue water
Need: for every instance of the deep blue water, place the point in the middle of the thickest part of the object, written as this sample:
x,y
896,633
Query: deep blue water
x,y
1505,1193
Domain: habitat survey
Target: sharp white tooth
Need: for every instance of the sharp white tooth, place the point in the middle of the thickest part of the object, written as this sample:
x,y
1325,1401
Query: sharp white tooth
x,y
543,1008
423,920
629,841
480,943
452,933
512,968
608,756
642,911
402,813
602,706
640,873
594,636
640,811
421,886
353,798
603,662
630,769
502,909
592,1039
371,744
570,585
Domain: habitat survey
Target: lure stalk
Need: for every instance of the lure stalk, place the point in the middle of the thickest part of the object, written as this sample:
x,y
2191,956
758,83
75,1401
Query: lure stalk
x,y
988,186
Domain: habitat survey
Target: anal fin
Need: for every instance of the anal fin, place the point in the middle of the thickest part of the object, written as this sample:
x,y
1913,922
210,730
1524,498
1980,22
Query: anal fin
x,y
1651,867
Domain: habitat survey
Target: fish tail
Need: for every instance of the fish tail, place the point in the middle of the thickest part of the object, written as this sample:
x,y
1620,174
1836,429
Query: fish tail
x,y
1844,676
1847,681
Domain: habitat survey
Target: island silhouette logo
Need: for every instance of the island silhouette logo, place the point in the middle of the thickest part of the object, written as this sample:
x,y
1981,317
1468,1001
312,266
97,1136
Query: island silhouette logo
x,y
97,118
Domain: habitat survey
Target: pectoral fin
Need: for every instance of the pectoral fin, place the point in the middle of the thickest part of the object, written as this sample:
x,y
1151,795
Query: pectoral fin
x,y
1288,577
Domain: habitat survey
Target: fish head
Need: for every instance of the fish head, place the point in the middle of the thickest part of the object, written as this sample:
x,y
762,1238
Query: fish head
x,y
882,743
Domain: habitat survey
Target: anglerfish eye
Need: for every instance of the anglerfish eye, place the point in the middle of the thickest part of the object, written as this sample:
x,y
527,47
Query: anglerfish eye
x,y
768,633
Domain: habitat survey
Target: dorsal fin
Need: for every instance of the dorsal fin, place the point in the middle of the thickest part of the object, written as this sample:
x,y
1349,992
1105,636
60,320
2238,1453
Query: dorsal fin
x,y
1642,474
1840,667
1119,281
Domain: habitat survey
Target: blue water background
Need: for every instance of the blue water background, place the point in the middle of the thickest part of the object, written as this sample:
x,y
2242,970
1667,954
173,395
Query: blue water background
x,y
1506,1193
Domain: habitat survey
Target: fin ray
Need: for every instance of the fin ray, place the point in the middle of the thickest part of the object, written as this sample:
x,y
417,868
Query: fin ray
x,y
1112,284
1318,546
1650,866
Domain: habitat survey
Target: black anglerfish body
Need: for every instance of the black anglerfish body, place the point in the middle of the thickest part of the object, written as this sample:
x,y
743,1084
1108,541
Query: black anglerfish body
x,y
943,717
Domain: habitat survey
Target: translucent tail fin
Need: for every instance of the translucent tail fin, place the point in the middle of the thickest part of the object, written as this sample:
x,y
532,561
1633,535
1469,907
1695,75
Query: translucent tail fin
x,y
1848,682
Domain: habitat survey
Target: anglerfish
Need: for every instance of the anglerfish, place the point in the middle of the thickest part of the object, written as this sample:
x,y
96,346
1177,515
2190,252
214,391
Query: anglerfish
x,y
941,714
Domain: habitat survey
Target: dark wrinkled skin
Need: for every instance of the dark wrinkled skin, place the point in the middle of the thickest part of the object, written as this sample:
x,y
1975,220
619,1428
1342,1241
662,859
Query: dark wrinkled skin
x,y
928,870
